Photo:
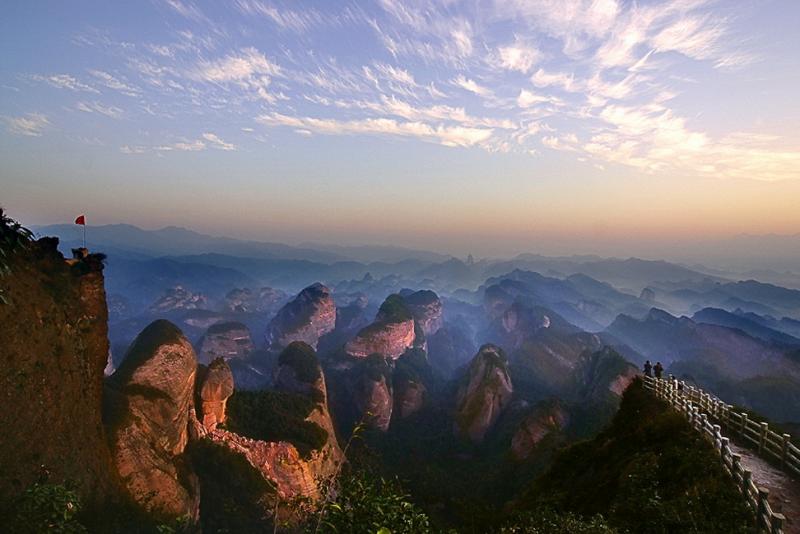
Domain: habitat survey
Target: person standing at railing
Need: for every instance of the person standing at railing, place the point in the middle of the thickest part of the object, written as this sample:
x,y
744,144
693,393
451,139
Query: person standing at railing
x,y
648,368
659,369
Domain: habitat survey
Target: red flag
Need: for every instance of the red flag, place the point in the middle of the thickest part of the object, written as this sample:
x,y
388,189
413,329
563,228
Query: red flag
x,y
81,220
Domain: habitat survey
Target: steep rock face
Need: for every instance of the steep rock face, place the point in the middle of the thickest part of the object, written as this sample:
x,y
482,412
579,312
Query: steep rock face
x,y
53,348
409,397
226,340
299,372
308,317
604,374
150,404
179,298
390,335
541,422
263,300
484,394
426,307
214,385
372,392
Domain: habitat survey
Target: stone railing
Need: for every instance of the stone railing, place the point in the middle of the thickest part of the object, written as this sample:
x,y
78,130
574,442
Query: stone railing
x,y
708,414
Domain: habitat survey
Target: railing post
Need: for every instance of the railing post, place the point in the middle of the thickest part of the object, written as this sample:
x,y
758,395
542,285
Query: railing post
x,y
762,439
703,423
744,424
763,520
785,449
736,467
746,477
718,437
777,523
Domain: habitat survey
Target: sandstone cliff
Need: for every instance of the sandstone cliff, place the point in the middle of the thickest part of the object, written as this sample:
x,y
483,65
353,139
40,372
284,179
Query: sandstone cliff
x,y
426,307
390,335
54,345
225,340
544,420
214,386
150,401
308,317
483,395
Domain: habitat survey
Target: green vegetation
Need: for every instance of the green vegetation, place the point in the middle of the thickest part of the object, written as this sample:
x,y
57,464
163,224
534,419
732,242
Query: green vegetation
x,y
302,358
275,416
376,366
368,505
13,237
649,471
235,495
394,310
546,521
46,508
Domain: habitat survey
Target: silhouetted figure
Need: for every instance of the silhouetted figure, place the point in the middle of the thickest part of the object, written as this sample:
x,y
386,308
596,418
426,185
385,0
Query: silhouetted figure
x,y
659,369
648,368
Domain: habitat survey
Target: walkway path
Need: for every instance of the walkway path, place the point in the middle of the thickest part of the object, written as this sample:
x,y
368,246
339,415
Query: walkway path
x,y
784,492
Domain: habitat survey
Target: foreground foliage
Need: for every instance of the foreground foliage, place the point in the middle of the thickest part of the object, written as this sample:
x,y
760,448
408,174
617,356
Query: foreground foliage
x,y
648,472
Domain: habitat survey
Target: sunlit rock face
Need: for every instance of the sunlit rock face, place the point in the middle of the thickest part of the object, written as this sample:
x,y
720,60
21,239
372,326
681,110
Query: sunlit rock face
x,y
214,387
150,404
483,395
54,346
540,423
308,317
225,340
370,385
391,334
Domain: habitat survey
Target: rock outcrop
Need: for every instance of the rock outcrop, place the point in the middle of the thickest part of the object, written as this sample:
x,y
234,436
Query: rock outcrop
x,y
541,422
214,386
391,334
299,371
263,300
372,392
179,298
426,307
409,396
150,404
308,317
225,340
484,394
54,346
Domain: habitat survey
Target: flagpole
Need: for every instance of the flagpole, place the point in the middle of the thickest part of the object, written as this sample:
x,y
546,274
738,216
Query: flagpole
x,y
84,235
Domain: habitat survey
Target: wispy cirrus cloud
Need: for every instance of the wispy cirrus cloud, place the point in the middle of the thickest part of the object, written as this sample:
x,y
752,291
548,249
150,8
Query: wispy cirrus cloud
x,y
32,124
65,81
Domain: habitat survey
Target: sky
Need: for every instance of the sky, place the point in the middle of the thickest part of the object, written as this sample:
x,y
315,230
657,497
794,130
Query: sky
x,y
484,126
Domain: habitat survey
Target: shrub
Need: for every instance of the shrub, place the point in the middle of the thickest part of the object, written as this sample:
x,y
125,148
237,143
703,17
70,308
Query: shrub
x,y
275,416
367,505
301,357
46,508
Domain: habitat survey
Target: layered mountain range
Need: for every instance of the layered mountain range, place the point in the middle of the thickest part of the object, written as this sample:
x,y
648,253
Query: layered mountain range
x,y
229,394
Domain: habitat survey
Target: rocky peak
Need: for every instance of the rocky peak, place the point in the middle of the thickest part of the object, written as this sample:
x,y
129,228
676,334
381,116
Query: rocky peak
x,y
226,340
484,394
214,386
426,307
373,392
390,335
179,298
543,420
308,317
246,300
150,402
